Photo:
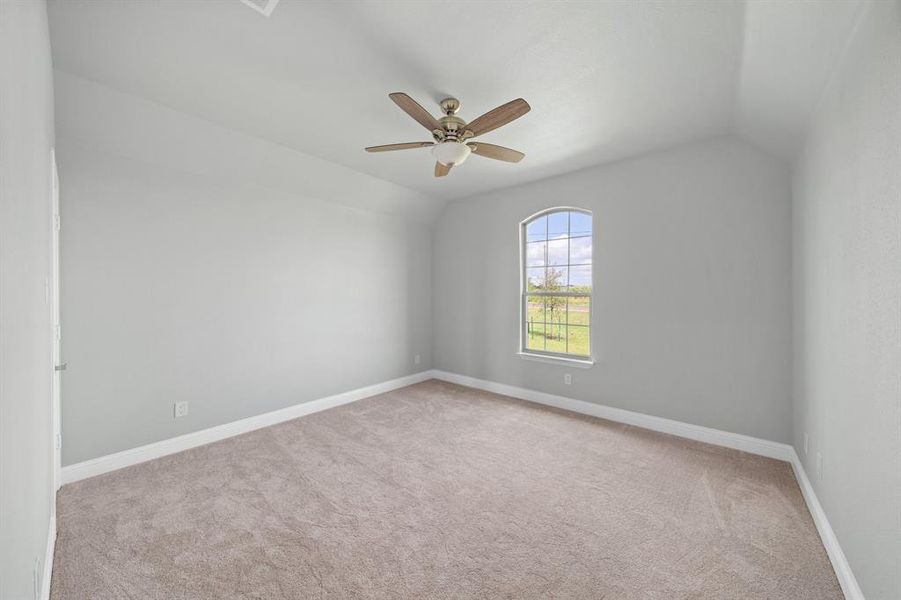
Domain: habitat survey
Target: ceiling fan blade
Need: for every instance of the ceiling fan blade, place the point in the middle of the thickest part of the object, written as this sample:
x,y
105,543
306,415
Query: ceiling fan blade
x,y
495,152
498,117
404,146
442,170
412,108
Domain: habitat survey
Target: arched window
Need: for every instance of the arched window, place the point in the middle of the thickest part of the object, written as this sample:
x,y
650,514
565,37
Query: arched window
x,y
556,283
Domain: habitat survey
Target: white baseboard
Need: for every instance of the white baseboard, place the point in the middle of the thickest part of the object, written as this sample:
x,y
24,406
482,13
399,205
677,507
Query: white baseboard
x,y
693,432
48,558
125,458
840,564
717,437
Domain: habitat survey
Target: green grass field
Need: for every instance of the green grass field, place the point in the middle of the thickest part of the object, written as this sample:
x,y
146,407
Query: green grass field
x,y
559,324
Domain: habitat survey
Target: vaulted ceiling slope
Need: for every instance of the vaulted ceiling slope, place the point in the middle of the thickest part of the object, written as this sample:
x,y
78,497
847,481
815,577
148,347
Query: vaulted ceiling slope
x,y
606,80
790,50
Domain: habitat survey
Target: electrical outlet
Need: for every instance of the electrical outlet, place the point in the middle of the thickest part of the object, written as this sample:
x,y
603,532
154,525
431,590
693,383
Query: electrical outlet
x,y
417,359
806,443
181,409
567,379
820,466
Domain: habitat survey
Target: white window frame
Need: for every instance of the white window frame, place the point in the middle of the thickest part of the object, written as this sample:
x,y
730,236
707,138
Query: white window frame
x,y
545,355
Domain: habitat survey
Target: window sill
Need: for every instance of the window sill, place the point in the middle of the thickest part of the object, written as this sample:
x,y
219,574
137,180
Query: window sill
x,y
580,363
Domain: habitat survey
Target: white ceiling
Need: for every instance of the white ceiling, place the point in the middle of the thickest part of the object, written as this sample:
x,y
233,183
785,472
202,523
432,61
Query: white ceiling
x,y
606,80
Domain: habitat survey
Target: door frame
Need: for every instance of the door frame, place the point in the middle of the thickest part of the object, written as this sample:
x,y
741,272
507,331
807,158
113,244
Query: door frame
x,y
56,331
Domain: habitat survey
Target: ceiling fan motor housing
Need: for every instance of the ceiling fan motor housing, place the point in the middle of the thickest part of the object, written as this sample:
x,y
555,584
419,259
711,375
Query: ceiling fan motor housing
x,y
452,125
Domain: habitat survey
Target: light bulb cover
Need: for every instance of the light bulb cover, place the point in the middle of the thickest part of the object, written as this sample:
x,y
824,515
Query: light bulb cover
x,y
451,153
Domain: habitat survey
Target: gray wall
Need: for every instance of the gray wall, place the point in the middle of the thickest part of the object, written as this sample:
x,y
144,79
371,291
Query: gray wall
x,y
230,290
692,287
26,122
847,302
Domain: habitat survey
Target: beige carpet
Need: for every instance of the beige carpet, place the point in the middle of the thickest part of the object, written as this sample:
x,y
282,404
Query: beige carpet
x,y
441,491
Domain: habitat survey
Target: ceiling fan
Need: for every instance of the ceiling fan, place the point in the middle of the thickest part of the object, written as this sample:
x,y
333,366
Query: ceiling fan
x,y
452,134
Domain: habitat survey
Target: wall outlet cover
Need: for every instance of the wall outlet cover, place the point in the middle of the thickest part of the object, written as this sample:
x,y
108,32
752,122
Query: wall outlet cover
x,y
417,359
181,409
567,378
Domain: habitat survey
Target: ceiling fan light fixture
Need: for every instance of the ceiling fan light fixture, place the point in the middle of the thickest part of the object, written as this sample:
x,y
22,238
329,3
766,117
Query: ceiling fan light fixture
x,y
451,153
453,135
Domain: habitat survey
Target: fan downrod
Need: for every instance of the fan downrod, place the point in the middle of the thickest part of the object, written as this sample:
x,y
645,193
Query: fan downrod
x,y
452,126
